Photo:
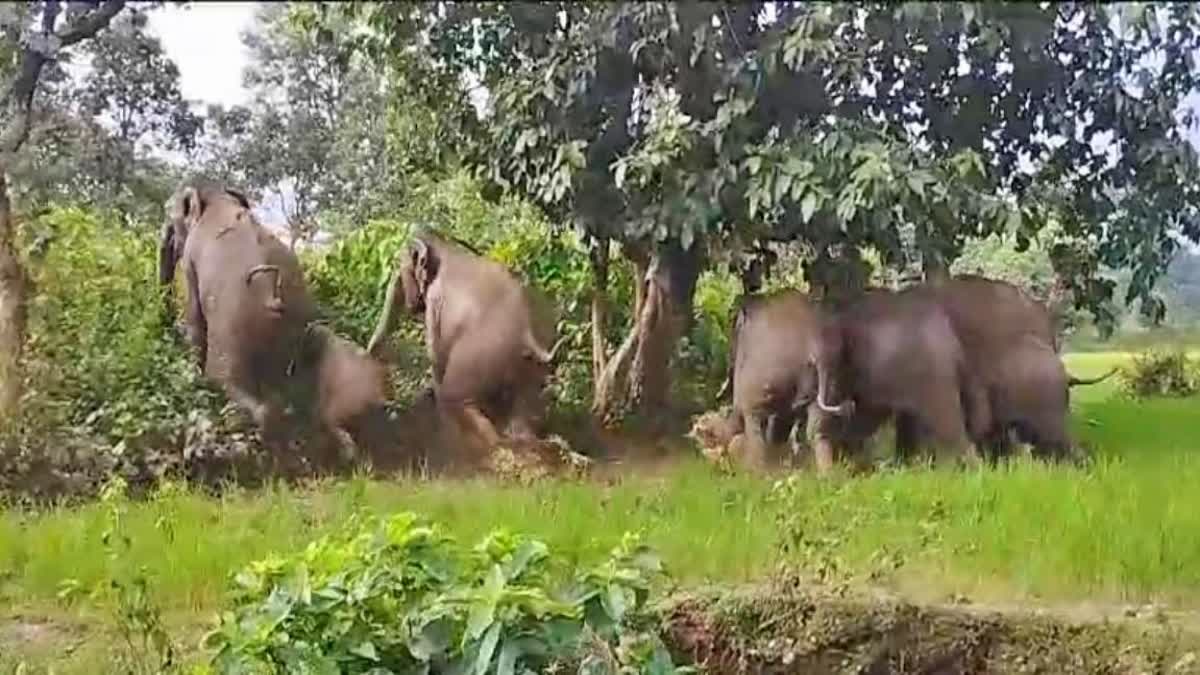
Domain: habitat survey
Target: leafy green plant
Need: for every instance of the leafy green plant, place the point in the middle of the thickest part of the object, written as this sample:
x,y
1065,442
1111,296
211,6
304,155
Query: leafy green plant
x,y
1159,372
398,595
100,357
146,646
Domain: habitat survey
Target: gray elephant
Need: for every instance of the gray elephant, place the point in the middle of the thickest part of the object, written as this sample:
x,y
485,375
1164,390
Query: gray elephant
x,y
896,354
250,317
345,389
1012,346
483,336
775,370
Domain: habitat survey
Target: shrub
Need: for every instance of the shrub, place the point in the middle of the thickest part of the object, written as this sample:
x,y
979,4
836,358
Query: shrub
x,y
399,596
100,358
1159,372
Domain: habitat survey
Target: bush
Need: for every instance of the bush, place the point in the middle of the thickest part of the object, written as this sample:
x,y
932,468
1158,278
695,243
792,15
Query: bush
x,y
399,596
1159,372
100,357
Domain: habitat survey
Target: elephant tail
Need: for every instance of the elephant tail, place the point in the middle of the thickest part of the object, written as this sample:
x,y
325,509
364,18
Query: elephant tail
x,y
1073,381
537,352
275,303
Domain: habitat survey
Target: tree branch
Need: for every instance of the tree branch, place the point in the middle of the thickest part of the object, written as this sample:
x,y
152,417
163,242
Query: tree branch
x,y
91,23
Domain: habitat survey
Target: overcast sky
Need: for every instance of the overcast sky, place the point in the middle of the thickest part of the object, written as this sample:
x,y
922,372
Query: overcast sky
x,y
204,40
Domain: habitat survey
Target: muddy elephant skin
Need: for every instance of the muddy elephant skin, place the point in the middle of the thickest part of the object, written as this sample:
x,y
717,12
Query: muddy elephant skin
x,y
252,322
900,356
486,342
1012,346
247,304
774,374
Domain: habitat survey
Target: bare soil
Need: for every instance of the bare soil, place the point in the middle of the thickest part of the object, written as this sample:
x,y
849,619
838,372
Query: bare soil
x,y
817,632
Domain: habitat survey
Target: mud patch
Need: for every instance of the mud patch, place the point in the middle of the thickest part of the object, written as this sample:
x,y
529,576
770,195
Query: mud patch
x,y
765,630
33,633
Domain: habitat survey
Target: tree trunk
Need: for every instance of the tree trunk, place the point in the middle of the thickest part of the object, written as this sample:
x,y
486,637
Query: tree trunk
x,y
16,103
12,308
599,260
643,361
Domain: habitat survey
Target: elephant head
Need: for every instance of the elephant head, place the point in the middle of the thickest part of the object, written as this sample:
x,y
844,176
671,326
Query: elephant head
x,y
184,211
830,362
411,280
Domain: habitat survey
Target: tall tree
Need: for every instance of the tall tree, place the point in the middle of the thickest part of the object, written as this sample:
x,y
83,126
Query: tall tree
x,y
35,33
95,141
676,128
315,138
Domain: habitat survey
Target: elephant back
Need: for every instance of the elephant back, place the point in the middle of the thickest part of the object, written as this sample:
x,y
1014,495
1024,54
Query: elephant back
x,y
989,314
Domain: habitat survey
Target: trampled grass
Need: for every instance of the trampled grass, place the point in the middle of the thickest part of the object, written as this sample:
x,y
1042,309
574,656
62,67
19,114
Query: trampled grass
x,y
1122,530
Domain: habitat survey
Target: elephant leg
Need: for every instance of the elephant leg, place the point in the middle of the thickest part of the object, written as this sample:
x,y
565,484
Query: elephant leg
x,y
528,414
754,442
267,414
997,444
907,436
469,419
1049,436
780,425
943,417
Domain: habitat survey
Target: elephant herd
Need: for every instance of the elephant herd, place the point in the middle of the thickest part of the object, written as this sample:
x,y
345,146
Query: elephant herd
x,y
956,365
257,332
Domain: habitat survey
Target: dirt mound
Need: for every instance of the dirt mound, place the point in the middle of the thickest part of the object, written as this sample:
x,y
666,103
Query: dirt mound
x,y
765,630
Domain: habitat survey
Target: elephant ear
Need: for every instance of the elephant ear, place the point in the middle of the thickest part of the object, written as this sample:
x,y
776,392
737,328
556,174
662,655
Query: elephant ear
x,y
425,264
183,210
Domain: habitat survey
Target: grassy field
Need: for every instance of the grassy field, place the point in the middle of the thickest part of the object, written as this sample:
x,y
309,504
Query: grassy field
x,y
1122,530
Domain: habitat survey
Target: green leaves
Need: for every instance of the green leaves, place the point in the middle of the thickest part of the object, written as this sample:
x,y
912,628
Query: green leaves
x,y
397,595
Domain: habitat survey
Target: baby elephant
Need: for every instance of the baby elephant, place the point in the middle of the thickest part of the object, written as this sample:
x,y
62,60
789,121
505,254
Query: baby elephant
x,y
345,389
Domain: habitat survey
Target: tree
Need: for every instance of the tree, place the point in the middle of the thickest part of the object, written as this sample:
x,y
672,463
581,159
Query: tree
x,y
35,34
680,129
92,142
320,136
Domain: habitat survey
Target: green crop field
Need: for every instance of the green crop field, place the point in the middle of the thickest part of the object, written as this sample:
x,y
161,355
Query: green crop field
x,y
1119,531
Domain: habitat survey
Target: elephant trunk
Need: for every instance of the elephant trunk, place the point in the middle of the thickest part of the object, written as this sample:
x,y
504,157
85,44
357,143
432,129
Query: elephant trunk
x,y
167,261
388,318
1073,381
842,409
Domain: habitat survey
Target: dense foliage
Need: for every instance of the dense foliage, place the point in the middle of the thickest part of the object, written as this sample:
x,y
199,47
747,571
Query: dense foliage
x,y
400,596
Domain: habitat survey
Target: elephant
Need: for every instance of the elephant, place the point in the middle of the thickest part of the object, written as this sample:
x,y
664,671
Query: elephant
x,y
247,304
483,336
775,369
1034,397
345,388
1012,346
252,322
895,353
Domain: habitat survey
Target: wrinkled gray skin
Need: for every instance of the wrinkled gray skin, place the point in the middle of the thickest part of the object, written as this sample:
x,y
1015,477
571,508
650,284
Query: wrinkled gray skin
x,y
900,356
350,389
482,335
774,375
1012,346
248,316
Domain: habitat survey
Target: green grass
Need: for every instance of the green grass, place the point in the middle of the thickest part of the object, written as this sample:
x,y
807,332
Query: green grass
x,y
1121,530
